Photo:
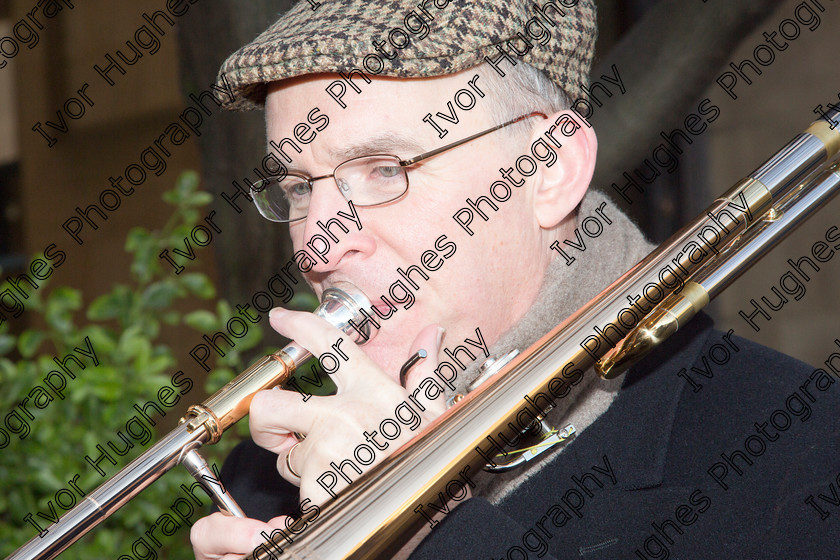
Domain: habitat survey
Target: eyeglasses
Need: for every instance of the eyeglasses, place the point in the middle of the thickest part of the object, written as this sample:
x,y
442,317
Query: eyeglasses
x,y
366,181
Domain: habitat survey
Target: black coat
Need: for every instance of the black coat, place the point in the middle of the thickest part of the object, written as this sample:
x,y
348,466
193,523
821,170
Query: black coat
x,y
646,479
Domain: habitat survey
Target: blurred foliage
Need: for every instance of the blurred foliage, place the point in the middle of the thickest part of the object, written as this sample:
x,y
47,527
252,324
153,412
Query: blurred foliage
x,y
135,361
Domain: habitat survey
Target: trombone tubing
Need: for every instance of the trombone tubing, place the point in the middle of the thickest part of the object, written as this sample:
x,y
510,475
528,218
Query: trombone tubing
x,y
448,445
203,424
375,516
113,494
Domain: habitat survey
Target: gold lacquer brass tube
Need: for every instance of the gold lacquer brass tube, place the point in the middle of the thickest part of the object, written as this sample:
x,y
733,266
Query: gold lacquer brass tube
x,y
663,321
231,403
341,306
375,515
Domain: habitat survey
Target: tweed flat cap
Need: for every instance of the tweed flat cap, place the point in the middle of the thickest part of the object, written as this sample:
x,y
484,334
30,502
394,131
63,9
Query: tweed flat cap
x,y
420,38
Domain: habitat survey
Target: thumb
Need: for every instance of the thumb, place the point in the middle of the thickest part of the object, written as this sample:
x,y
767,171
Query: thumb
x,y
429,339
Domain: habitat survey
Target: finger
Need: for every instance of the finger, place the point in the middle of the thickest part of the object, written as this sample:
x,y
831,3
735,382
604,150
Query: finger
x,y
282,533
270,539
275,414
219,536
425,392
290,462
339,356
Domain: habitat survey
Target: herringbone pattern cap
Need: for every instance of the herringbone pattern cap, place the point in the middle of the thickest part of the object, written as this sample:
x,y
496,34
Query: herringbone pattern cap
x,y
339,36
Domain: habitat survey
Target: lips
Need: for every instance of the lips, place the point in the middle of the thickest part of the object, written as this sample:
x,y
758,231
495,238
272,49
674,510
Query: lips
x,y
382,307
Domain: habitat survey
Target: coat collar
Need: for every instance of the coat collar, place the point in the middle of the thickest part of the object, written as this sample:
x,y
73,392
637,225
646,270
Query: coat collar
x,y
636,430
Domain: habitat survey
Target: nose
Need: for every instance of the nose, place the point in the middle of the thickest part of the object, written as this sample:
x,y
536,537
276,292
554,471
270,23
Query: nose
x,y
331,233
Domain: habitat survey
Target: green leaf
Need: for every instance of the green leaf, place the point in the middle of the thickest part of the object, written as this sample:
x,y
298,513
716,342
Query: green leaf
x,y
200,198
224,310
159,295
61,322
178,235
60,303
7,369
201,320
158,364
7,342
304,301
29,342
68,297
149,325
110,306
145,262
190,216
132,343
136,237
171,197
187,182
251,338
108,391
103,340
198,284
47,479
170,317
104,307
36,301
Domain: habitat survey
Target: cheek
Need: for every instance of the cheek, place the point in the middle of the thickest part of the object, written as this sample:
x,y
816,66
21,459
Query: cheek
x,y
412,225
296,235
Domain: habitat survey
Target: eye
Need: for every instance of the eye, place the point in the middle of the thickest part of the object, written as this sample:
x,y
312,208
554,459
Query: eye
x,y
296,188
387,171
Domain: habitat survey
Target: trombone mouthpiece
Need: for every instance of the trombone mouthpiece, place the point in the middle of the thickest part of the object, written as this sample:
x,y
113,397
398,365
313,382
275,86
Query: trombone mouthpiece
x,y
343,305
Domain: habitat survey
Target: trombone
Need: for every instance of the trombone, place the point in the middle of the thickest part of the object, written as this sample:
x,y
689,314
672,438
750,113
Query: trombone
x,y
761,210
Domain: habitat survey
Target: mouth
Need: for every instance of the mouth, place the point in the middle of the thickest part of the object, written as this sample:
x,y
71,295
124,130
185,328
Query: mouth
x,y
360,297
351,287
383,308
379,308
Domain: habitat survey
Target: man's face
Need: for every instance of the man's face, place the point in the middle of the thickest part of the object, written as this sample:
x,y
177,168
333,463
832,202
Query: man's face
x,y
492,277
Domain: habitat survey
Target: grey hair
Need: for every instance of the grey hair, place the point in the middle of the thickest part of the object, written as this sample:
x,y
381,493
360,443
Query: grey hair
x,y
522,90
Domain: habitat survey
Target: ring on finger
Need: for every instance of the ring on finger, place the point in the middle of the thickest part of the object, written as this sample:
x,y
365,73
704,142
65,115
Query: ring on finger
x,y
289,461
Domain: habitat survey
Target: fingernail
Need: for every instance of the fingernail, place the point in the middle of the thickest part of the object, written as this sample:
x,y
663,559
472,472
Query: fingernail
x,y
276,313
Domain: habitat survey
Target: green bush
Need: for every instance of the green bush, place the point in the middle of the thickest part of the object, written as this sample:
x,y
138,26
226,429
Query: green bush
x,y
135,360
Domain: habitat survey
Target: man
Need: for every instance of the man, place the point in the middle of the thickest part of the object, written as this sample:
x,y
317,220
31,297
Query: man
x,y
351,119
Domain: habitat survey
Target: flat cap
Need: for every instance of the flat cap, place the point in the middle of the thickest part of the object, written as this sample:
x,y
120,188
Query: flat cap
x,y
420,38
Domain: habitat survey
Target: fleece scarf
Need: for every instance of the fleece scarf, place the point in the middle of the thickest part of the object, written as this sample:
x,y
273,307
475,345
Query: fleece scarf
x,y
565,289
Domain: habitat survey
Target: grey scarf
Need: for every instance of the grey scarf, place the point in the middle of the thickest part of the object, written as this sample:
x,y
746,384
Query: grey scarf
x,y
565,289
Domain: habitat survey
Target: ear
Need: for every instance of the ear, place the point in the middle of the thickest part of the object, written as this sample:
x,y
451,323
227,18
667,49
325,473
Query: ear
x,y
566,146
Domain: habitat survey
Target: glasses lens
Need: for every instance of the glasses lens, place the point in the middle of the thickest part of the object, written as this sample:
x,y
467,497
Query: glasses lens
x,y
283,200
371,179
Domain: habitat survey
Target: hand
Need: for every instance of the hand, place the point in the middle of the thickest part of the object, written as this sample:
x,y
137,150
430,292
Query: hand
x,y
223,537
342,427
333,425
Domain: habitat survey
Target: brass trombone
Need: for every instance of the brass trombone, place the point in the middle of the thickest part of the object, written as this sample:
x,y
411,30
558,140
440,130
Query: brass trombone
x,y
760,211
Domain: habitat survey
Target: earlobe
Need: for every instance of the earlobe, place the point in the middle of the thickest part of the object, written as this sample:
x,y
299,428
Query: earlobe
x,y
565,172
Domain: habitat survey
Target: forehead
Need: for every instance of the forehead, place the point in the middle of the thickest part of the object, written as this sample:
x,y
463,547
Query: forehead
x,y
385,117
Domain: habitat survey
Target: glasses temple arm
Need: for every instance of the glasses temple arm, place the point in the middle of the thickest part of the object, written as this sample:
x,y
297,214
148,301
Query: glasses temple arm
x,y
442,149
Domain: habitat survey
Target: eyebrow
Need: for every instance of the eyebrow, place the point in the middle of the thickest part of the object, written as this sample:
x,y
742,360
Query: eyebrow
x,y
384,143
